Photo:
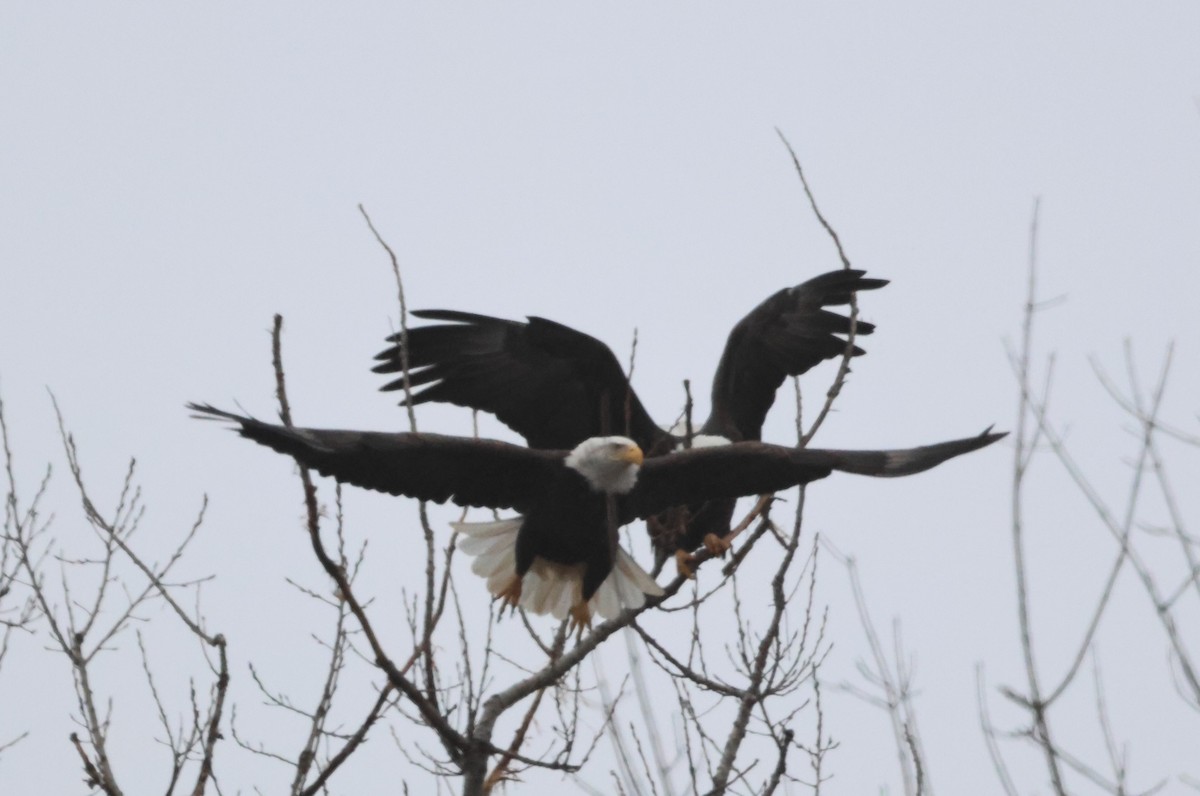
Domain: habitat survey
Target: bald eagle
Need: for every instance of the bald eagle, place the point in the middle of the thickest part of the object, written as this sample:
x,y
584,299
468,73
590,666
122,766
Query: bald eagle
x,y
561,555
556,386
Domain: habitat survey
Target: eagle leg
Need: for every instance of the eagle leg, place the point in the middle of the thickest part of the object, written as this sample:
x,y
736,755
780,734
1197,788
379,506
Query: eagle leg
x,y
683,564
581,617
718,546
510,595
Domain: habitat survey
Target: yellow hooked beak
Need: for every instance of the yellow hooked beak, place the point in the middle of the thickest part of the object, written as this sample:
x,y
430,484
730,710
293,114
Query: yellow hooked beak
x,y
631,454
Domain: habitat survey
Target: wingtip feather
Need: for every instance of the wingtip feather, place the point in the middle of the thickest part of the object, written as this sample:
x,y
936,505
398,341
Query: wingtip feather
x,y
209,412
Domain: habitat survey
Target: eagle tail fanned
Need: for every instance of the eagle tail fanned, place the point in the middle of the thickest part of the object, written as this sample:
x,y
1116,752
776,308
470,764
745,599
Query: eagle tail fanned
x,y
549,587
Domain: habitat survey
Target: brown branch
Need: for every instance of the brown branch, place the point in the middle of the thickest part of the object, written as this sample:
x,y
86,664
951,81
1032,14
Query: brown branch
x,y
180,748
839,380
68,639
645,703
431,614
474,767
352,744
627,404
94,780
116,532
500,770
1135,409
895,682
782,744
914,750
989,735
689,432
214,733
816,755
451,739
1149,419
1121,531
681,669
1041,733
412,417
762,508
753,693
337,648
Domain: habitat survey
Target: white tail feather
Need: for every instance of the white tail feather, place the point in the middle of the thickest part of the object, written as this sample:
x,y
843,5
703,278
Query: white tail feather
x,y
637,577
550,588
494,546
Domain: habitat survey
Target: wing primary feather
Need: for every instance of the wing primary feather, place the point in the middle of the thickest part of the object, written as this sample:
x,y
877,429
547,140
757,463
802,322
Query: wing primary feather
x,y
786,335
757,468
897,463
467,471
552,384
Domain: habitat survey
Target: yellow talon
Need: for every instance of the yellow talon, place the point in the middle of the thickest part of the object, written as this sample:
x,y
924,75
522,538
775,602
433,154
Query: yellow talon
x,y
683,564
718,546
581,617
511,594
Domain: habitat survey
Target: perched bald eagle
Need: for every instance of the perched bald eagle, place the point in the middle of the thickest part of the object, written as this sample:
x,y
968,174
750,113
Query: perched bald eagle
x,y
561,555
556,386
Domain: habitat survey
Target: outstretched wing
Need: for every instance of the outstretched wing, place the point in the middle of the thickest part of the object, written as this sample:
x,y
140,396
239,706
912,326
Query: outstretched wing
x,y
469,472
785,335
758,468
551,384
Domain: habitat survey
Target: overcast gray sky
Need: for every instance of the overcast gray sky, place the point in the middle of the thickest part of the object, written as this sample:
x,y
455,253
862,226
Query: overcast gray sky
x,y
172,176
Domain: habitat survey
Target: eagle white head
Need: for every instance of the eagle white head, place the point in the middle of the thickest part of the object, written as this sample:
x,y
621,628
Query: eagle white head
x,y
610,464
